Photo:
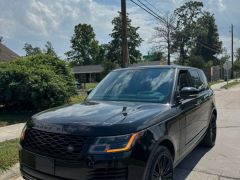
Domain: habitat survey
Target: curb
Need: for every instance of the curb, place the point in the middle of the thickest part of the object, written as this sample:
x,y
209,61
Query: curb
x,y
13,172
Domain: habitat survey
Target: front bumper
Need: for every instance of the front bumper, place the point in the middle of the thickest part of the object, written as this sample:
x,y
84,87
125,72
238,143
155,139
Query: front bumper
x,y
98,167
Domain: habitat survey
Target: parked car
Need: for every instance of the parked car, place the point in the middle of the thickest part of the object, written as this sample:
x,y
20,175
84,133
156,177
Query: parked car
x,y
138,123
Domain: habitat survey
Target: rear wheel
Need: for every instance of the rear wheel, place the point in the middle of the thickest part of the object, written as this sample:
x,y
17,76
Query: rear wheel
x,y
161,166
210,137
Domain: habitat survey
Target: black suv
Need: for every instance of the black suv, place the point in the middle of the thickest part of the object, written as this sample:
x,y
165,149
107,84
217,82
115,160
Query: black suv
x,y
137,124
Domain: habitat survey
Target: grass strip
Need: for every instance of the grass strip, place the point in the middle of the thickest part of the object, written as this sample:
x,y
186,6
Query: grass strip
x,y
230,85
8,154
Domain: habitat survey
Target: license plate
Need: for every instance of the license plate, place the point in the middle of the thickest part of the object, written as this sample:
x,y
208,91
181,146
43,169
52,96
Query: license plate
x,y
37,162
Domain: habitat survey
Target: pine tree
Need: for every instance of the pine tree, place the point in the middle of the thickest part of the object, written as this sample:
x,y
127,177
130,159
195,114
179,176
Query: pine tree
x,y
115,46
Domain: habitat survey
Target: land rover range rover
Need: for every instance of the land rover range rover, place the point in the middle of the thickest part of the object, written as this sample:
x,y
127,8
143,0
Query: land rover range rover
x,y
138,123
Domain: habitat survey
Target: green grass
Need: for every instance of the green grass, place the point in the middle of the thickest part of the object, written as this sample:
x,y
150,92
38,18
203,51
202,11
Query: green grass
x,y
91,85
13,118
77,99
8,154
215,82
231,84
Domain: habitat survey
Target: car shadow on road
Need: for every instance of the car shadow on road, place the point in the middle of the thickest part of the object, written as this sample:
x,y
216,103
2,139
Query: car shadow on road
x,y
187,165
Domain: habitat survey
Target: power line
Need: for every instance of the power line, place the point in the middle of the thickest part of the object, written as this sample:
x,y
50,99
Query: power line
x,y
161,19
207,47
154,14
153,6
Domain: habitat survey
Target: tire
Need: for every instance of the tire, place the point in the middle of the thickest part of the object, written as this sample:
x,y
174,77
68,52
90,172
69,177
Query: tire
x,y
160,166
211,134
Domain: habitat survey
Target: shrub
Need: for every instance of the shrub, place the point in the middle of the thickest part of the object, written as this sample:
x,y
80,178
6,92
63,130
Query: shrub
x,y
35,83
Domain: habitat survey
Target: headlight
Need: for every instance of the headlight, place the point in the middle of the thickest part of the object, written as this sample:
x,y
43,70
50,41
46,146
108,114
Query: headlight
x,y
114,144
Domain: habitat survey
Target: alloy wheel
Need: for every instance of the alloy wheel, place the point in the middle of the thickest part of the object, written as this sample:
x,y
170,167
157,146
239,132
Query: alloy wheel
x,y
163,169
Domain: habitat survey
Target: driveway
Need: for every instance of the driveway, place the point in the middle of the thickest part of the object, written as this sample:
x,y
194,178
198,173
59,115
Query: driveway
x,y
11,132
222,161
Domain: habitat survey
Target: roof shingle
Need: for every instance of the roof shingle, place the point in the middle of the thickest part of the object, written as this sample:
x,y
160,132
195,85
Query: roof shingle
x,y
7,54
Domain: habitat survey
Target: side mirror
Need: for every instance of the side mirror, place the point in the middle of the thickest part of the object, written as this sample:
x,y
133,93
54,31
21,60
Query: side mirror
x,y
188,92
89,91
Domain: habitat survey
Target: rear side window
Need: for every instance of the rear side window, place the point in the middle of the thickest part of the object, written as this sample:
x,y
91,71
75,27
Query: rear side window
x,y
195,80
203,79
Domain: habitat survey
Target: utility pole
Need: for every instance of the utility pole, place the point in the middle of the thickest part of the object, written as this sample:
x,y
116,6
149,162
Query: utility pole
x,y
168,45
124,34
232,50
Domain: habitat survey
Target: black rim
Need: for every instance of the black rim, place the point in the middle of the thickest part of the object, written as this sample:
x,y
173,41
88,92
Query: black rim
x,y
213,129
163,169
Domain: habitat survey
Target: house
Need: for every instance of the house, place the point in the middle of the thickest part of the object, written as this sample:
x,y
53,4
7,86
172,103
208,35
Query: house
x,y
88,73
92,73
7,54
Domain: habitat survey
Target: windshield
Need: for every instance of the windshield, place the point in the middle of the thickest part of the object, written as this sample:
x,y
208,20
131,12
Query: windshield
x,y
142,85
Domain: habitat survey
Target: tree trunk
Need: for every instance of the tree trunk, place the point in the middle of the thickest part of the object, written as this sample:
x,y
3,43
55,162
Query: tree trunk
x,y
182,58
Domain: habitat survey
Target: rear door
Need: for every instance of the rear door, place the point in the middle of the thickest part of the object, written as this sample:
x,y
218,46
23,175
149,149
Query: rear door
x,y
194,120
205,100
195,109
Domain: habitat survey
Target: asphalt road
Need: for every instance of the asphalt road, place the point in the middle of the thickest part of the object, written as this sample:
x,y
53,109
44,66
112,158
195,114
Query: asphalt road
x,y
222,162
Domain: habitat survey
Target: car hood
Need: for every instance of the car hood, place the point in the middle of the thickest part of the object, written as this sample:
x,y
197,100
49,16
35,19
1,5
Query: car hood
x,y
100,118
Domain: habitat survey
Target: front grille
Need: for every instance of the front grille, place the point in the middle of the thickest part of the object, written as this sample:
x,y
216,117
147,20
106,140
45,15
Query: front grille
x,y
61,146
108,174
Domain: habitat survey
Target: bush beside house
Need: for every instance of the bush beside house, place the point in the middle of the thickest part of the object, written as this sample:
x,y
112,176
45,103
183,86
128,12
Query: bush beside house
x,y
35,83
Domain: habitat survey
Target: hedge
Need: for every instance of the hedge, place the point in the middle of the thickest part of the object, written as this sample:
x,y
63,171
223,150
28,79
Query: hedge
x,y
35,83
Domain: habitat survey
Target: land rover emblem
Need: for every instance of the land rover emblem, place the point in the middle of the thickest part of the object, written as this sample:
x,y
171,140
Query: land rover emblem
x,y
70,148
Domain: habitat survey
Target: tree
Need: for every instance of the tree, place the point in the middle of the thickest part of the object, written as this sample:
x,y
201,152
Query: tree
x,y
84,46
186,29
30,50
225,57
163,36
115,46
108,66
103,50
49,49
207,43
196,61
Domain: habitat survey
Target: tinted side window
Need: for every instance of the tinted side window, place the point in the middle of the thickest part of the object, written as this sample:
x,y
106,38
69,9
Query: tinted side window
x,y
183,80
195,79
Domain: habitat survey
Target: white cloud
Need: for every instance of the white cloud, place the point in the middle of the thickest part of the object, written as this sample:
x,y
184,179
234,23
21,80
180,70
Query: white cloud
x,y
37,21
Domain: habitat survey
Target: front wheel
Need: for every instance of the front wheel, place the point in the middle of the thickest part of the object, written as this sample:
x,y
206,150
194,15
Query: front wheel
x,y
161,165
210,137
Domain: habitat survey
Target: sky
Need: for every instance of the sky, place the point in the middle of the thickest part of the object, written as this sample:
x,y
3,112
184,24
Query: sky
x,y
39,21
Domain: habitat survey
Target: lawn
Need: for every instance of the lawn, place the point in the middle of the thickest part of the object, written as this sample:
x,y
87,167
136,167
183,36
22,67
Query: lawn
x,y
231,84
77,98
91,85
13,118
8,154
